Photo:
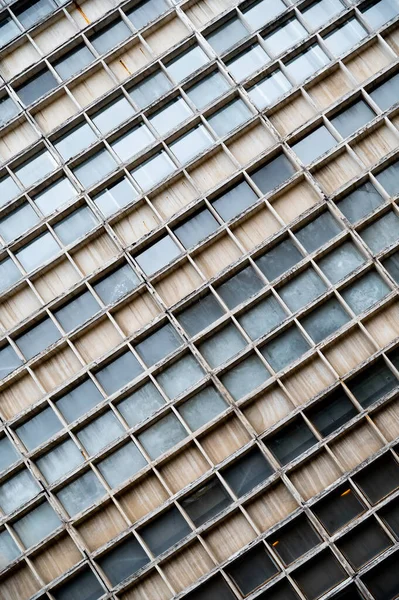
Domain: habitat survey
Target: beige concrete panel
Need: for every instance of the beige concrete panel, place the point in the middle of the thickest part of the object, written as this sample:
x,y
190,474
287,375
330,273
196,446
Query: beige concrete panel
x,y
180,283
393,40
18,60
225,439
166,36
217,256
349,351
326,91
101,527
292,115
15,141
21,584
137,313
55,34
55,113
315,475
56,281
18,306
151,586
271,506
387,420
356,445
251,143
131,60
268,409
256,229
294,201
337,172
384,326
57,558
16,397
375,145
87,11
144,497
93,86
98,340
203,11
187,566
177,195
212,171
184,468
369,61
59,367
135,224
230,536
308,380
96,253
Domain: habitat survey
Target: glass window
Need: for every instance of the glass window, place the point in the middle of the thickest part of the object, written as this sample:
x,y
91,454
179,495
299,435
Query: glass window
x,y
122,464
285,348
153,170
9,361
112,115
191,144
306,63
294,540
8,190
39,429
158,255
360,203
196,228
159,344
150,89
372,383
331,412
206,502
30,13
147,11
132,142
338,508
80,494
213,588
315,144
382,579
235,200
221,346
302,289
200,315
83,586
208,89
325,320
245,376
390,515
227,35
9,274
263,11
17,490
345,37
110,36
75,141
252,569
350,119
180,376
139,405
75,225
75,312
36,524
162,435
123,560
262,318
60,460
114,197
240,287
16,222
37,338
285,36
8,549
290,441
246,63
388,178
387,93
379,478
165,531
273,173
79,400
37,86
8,30
319,575
270,89
54,196
247,472
381,233
321,11
391,264
319,231
170,116
118,373
202,407
100,432
117,284
8,108
279,259
363,543
95,168
73,62
8,453
229,117
380,12
187,63
341,262
35,168
365,292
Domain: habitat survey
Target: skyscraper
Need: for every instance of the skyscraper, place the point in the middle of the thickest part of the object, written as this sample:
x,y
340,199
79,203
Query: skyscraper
x,y
199,309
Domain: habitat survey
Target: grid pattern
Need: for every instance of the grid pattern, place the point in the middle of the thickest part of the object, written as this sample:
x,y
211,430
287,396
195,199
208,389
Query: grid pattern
x,y
199,309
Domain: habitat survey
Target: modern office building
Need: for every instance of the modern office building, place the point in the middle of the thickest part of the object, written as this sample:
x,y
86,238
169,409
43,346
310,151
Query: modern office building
x,y
199,311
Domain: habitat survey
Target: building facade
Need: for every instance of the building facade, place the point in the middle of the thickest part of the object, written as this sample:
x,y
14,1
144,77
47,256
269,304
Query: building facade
x,y
199,303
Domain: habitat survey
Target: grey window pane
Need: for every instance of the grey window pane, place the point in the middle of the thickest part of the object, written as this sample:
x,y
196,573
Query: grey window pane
x,y
159,344
290,441
9,361
306,63
170,116
208,89
302,289
240,287
140,404
8,453
340,262
122,464
8,30
388,178
380,12
352,118
387,93
392,266
263,11
158,255
83,586
390,516
202,407
365,292
252,569
294,540
94,168
244,377
29,13
165,531
9,274
229,117
123,560
206,502
60,460
75,225
75,141
363,543
319,575
318,232
273,173
8,549
285,36
247,62
73,62
332,412
112,115
379,478
150,89
314,144
279,259
115,197
153,170
132,142
37,338
233,202
8,190
35,168
187,63
285,348
17,490
36,87
221,346
79,400
373,383
39,429
200,315
37,524
37,252
381,233
270,89
117,284
196,228
338,508
55,196
147,11
321,11
345,37
19,220
77,311
191,144
110,36
162,435
180,376
326,319
227,35
247,472
262,318
80,494
360,203
8,108
118,373
213,588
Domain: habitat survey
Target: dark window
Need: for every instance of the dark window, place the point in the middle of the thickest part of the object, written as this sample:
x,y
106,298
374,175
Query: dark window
x,y
30,12
252,569
330,413
117,284
353,117
314,144
373,383
392,266
124,560
294,540
36,87
227,35
363,543
147,11
119,372
196,228
290,441
234,201
39,428
212,589
285,348
383,580
318,232
84,586
159,344
273,173
388,178
279,259
240,287
349,593
200,315
379,478
390,516
206,502
319,575
281,591
247,472
324,320
110,36
78,400
142,403
302,289
165,531
37,338
338,508
360,203
77,311
387,93
74,61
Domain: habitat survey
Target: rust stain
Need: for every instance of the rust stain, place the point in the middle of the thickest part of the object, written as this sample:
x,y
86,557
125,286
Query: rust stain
x,y
125,67
81,12
345,493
